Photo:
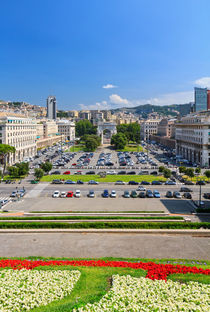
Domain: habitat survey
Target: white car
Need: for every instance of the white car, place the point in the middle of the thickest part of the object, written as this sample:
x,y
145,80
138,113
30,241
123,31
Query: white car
x,y
119,183
56,194
113,194
77,193
141,188
111,172
63,194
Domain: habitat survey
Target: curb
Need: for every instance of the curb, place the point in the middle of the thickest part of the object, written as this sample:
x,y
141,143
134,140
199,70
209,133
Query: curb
x,y
199,233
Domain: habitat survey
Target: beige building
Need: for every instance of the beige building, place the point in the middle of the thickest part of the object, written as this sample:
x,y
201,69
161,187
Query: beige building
x,y
149,127
20,132
166,128
66,128
193,138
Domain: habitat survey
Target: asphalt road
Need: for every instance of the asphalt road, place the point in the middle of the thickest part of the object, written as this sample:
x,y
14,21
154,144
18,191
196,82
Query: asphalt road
x,y
94,245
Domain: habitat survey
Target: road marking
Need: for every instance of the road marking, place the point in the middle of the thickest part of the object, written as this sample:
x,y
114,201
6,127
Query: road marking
x,y
36,191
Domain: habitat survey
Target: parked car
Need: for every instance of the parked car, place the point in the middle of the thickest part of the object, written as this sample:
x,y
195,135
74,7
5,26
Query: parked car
x,y
157,183
141,188
153,172
119,183
133,183
149,194
170,182
105,194
142,195
185,189
70,194
200,183
63,194
187,195
56,194
145,183
189,183
77,194
67,172
122,172
14,194
93,182
134,194
113,194
126,194
56,172
69,182
80,182
91,194
206,195
177,195
169,194
156,194
57,182
131,172
90,172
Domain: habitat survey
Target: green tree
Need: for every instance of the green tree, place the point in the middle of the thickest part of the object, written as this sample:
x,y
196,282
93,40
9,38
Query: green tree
x,y
161,168
38,173
13,171
167,173
190,172
119,141
46,167
198,170
91,144
182,169
207,174
23,168
131,131
84,127
5,150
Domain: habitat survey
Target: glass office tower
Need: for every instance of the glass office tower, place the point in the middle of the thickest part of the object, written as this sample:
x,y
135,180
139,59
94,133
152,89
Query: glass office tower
x,y
200,99
51,107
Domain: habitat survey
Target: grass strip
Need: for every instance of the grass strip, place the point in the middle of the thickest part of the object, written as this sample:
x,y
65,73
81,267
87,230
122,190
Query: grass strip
x,y
108,178
90,218
105,225
42,211
184,278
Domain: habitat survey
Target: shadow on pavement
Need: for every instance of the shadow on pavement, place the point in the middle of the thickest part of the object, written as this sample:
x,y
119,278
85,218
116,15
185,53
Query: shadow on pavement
x,y
178,206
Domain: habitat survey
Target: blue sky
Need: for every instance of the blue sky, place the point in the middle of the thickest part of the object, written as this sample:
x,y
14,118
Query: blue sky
x,y
141,51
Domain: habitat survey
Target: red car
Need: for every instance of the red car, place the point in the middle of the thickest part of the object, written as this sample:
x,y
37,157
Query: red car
x,y
69,194
67,172
74,164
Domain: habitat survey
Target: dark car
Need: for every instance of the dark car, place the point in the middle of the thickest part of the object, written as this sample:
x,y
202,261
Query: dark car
x,y
187,195
69,182
142,195
185,189
131,172
80,182
133,183
200,183
90,172
126,194
177,195
56,172
122,172
189,183
157,183
206,195
145,183
154,173
105,194
169,194
134,194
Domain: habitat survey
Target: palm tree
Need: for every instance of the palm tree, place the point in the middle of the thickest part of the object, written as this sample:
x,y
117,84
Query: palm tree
x,y
5,150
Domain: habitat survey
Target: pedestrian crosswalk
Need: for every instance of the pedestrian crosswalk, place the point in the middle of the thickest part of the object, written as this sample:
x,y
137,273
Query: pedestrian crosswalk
x,y
5,198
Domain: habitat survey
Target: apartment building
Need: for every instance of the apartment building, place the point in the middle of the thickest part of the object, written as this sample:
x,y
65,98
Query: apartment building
x,y
20,132
66,128
149,127
193,138
166,128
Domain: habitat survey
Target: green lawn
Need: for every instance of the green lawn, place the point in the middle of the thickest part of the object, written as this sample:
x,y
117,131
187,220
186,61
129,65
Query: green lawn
x,y
196,178
76,148
108,178
132,148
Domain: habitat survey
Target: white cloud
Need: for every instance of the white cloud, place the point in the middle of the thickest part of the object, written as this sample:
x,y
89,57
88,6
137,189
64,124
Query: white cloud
x,y
116,99
172,98
109,86
98,106
203,82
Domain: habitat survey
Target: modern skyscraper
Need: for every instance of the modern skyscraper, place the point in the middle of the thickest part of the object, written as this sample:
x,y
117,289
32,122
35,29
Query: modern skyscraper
x,y
51,107
200,99
208,99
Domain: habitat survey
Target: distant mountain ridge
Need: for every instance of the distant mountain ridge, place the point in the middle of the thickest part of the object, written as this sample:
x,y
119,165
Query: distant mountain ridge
x,y
145,109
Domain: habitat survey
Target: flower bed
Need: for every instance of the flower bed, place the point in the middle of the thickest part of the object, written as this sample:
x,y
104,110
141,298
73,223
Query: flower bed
x,y
141,294
154,270
22,290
